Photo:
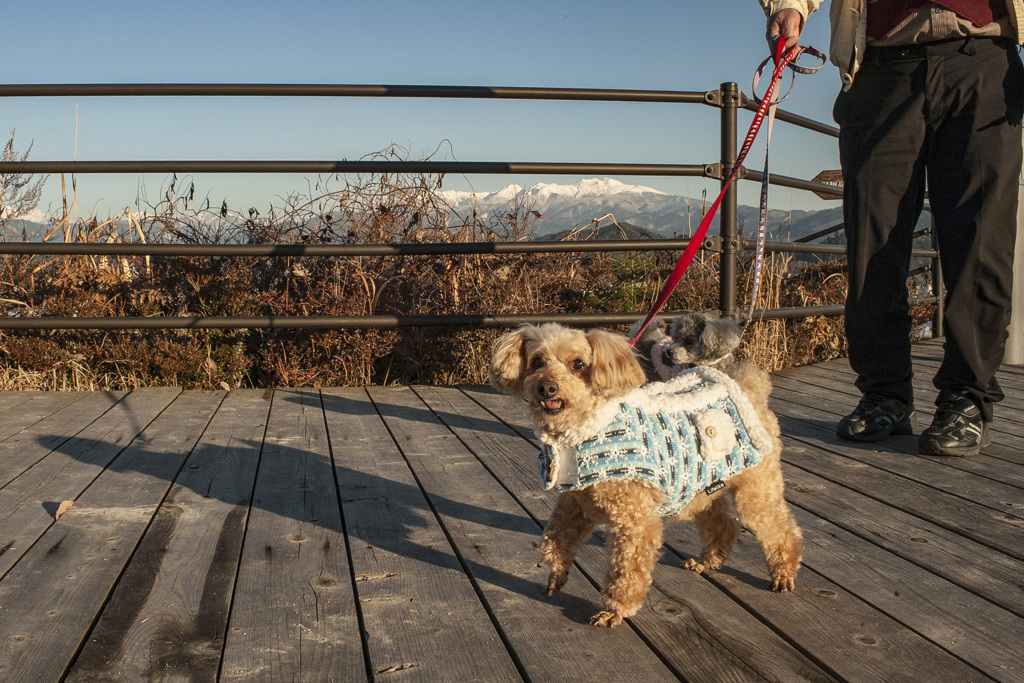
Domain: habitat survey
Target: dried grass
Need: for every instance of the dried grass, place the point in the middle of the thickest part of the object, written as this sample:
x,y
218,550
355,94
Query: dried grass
x,y
373,209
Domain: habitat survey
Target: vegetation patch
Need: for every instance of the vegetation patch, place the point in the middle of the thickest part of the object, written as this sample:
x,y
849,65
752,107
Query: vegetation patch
x,y
389,208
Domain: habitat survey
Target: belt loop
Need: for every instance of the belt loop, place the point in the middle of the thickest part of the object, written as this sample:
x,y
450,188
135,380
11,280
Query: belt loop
x,y
969,47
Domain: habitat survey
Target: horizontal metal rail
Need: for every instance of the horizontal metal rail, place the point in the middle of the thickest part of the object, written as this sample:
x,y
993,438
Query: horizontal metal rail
x,y
795,119
340,250
794,183
403,249
377,322
346,90
821,233
429,167
804,248
328,167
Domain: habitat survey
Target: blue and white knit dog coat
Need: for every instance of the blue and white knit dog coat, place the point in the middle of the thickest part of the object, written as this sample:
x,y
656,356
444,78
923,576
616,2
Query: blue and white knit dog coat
x,y
681,436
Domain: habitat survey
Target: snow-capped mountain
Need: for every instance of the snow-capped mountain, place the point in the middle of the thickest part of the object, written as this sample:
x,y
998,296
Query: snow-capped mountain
x,y
565,207
553,209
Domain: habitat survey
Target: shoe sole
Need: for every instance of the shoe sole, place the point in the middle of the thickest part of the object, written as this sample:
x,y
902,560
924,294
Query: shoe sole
x,y
955,452
895,430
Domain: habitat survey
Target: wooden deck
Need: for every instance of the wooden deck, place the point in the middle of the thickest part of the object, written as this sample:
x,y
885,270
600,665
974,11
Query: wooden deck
x,y
392,535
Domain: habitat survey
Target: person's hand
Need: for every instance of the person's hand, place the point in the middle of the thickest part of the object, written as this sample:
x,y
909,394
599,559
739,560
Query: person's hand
x,y
786,24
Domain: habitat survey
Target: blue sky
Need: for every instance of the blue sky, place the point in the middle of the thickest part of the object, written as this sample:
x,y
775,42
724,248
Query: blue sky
x,y
680,45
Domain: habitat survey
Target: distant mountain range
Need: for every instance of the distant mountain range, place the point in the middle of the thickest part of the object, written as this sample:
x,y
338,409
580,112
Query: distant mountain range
x,y
556,210
559,209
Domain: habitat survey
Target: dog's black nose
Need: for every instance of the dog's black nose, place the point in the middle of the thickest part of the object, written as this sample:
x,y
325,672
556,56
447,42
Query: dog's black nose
x,y
547,389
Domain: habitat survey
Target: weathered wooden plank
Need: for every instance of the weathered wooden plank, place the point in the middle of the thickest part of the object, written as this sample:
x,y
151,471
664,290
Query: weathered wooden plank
x,y
974,630
49,600
410,583
932,350
995,462
833,625
1006,428
976,567
982,524
498,543
1012,370
12,401
20,409
511,411
167,617
28,504
30,445
984,491
841,632
1011,383
924,371
294,616
1008,414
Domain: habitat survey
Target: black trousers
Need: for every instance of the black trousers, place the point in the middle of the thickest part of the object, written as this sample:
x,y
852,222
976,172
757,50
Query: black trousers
x,y
946,115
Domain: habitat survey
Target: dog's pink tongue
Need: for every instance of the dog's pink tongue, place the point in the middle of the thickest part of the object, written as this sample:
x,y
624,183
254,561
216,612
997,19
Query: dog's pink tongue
x,y
552,405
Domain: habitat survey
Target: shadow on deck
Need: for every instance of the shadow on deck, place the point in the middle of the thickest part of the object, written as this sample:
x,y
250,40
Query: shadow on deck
x,y
392,534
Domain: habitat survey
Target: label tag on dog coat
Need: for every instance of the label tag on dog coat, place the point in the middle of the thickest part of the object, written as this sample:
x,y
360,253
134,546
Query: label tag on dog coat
x,y
715,487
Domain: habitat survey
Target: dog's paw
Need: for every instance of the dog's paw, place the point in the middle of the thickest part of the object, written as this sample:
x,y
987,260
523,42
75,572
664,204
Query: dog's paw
x,y
556,580
700,567
606,619
783,584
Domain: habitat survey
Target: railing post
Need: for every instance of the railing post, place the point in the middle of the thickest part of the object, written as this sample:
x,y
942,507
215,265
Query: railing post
x,y
727,227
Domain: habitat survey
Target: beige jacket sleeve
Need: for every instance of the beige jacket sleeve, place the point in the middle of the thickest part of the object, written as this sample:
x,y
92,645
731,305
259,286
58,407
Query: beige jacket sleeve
x,y
804,7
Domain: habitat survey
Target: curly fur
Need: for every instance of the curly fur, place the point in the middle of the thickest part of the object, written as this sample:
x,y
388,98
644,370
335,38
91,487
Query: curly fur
x,y
566,375
694,338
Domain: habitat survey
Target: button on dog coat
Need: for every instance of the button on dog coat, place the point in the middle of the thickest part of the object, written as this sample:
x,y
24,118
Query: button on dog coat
x,y
679,436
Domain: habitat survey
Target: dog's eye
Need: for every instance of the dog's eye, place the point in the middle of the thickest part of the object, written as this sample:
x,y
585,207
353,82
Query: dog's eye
x,y
577,365
537,363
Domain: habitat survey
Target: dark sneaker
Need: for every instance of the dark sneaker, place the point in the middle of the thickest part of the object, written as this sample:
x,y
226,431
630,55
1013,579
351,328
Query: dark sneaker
x,y
957,429
876,418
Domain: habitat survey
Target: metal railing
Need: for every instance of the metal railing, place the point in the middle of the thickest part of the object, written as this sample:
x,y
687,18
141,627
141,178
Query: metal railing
x,y
727,98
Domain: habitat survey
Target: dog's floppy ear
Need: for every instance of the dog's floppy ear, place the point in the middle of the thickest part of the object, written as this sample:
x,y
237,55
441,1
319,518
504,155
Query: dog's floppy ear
x,y
722,336
506,369
614,368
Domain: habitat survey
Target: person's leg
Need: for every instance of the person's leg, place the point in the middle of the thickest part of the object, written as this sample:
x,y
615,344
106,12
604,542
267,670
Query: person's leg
x,y
974,160
882,134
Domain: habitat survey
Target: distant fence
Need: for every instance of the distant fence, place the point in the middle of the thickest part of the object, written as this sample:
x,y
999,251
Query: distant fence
x,y
728,243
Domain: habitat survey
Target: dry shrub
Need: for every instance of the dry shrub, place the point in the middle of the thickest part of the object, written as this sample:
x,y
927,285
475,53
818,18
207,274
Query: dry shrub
x,y
365,210
778,344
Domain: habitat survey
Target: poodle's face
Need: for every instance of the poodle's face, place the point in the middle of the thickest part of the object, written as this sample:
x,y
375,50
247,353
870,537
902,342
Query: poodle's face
x,y
563,373
699,340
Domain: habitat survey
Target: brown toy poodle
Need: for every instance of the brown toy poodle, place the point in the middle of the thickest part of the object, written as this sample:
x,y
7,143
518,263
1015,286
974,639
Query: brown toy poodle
x,y
703,446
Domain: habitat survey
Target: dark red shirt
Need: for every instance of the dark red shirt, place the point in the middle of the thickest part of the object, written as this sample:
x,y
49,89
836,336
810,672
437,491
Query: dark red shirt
x,y
885,15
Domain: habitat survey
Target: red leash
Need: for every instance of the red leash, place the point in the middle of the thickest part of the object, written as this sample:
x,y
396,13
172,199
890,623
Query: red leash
x,y
782,60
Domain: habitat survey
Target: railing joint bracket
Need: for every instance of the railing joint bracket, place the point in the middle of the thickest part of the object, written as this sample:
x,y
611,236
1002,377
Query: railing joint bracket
x,y
713,244
713,171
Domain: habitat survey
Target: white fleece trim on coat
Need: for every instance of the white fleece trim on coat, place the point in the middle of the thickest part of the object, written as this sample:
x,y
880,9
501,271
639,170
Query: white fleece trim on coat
x,y
666,396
